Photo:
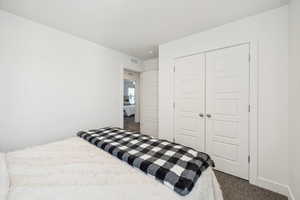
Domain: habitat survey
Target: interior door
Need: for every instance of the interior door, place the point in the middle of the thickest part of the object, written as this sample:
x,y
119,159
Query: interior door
x,y
189,91
227,101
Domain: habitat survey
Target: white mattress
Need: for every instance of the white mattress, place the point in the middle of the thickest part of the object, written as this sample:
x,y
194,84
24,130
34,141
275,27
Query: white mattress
x,y
74,169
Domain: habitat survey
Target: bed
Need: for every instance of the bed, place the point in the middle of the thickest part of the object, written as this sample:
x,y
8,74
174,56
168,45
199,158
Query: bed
x,y
129,110
75,169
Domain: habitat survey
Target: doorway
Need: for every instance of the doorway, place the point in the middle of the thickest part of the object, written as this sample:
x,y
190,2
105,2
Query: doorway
x,y
131,101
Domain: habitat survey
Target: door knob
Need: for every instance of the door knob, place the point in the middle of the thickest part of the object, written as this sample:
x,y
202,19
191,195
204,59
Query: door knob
x,y
208,115
201,115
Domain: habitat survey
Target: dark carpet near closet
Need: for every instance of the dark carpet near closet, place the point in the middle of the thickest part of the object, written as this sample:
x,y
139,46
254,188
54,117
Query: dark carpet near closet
x,y
238,189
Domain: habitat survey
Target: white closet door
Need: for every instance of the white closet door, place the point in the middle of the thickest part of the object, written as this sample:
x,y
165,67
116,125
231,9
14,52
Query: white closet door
x,y
227,103
189,98
149,103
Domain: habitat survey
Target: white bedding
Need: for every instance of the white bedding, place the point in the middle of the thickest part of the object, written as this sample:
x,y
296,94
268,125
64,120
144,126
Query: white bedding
x,y
129,110
76,170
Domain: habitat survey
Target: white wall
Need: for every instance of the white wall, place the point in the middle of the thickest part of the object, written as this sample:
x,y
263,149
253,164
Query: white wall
x,y
270,31
151,64
54,84
149,103
294,97
149,98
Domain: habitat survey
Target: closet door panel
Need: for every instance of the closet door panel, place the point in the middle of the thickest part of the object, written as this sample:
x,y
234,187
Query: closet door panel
x,y
189,91
227,100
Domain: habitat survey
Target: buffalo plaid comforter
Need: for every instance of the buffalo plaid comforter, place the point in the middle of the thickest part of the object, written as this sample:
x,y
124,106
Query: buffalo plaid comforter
x,y
175,165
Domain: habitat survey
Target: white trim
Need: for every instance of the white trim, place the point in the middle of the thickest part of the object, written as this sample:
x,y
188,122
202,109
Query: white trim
x,y
291,195
253,116
212,49
273,186
150,70
173,98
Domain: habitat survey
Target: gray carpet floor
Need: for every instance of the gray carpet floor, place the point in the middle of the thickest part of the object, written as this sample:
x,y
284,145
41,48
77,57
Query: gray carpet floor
x,y
238,189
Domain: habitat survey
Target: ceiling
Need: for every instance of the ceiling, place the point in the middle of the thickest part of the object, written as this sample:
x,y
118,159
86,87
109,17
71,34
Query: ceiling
x,y
135,27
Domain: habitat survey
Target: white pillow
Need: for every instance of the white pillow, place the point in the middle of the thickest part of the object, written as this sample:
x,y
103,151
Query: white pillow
x,y
4,178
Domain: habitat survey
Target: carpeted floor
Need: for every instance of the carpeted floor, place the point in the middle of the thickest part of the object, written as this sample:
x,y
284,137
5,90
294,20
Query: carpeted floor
x,y
238,189
130,124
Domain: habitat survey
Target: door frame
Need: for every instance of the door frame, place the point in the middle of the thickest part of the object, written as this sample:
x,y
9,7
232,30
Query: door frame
x,y
124,68
253,101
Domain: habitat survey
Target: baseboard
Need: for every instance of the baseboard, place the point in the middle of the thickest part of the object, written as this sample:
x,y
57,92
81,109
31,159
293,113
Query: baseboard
x,y
273,186
291,195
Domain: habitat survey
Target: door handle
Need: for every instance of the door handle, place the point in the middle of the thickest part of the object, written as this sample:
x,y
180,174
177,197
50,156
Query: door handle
x,y
208,115
201,115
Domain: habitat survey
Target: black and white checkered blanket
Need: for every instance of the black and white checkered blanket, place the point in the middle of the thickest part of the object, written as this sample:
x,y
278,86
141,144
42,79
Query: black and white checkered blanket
x,y
174,165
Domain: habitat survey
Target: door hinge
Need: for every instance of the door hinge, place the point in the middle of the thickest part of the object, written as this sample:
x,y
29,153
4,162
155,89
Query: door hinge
x,y
174,68
249,108
174,105
249,159
249,58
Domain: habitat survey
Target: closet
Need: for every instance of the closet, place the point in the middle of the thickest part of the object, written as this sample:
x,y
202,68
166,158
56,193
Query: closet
x,y
211,106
